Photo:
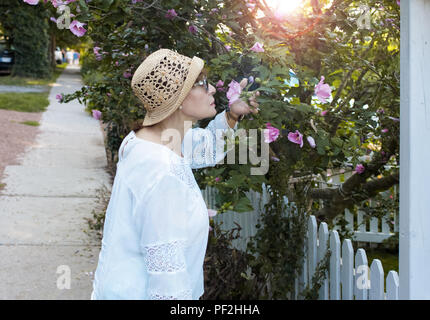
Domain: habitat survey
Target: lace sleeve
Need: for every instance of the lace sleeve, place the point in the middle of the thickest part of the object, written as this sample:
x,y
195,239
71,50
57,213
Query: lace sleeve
x,y
162,219
165,264
205,147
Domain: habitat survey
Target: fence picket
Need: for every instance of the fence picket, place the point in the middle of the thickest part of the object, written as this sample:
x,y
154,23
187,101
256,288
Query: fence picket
x,y
347,276
392,286
349,217
312,246
334,266
376,291
343,281
374,224
385,225
361,277
322,250
360,221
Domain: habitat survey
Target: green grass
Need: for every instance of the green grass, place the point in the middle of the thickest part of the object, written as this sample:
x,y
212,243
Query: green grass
x,y
390,261
28,101
24,101
27,81
31,123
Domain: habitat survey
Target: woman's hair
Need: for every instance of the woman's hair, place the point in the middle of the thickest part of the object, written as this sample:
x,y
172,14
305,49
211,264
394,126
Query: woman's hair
x,y
137,124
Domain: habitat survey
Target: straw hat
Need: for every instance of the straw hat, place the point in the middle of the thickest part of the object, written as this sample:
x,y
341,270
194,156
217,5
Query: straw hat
x,y
162,82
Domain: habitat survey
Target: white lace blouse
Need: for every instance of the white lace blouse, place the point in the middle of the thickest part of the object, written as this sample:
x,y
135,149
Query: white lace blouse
x,y
156,225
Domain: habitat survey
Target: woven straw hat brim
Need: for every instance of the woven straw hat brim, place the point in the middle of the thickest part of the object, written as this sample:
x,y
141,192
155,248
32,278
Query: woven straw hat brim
x,y
158,114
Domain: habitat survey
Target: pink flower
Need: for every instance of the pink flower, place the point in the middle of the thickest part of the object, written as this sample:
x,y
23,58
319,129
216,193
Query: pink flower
x,y
192,29
324,112
311,141
233,92
359,168
380,110
53,19
171,14
384,130
217,179
127,74
212,213
227,47
96,114
220,83
96,53
257,47
77,28
270,133
322,90
398,2
296,137
108,94
32,2
59,97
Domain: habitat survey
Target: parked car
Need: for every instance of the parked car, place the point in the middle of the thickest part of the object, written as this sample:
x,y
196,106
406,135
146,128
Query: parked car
x,y
7,58
58,56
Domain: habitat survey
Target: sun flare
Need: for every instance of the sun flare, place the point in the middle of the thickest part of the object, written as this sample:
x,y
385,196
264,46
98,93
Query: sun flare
x,y
283,7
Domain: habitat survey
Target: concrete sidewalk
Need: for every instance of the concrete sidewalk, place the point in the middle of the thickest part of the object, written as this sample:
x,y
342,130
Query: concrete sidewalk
x,y
45,201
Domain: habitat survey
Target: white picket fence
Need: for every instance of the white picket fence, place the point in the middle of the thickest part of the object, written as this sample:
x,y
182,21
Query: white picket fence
x,y
348,279
377,230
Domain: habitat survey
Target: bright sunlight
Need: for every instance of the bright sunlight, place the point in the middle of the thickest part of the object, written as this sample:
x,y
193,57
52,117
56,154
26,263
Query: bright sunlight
x,y
283,7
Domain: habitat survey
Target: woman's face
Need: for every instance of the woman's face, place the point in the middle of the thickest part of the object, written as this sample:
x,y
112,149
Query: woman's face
x,y
200,104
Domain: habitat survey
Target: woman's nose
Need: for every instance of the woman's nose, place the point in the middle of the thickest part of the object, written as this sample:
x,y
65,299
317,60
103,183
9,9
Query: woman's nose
x,y
212,89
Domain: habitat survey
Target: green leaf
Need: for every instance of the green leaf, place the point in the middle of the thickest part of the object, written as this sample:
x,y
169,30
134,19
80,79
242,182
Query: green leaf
x,y
243,205
337,141
83,5
304,108
235,180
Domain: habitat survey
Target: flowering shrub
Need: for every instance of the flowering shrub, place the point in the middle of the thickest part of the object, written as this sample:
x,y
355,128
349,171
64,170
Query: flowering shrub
x,y
319,78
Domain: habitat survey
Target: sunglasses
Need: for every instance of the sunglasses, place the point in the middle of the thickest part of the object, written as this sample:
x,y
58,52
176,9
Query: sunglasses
x,y
204,83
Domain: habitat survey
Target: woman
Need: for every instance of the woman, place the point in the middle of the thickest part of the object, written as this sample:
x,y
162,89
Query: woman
x,y
156,226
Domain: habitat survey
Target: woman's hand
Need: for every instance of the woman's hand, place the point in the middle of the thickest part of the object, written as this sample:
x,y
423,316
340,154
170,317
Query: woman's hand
x,y
240,107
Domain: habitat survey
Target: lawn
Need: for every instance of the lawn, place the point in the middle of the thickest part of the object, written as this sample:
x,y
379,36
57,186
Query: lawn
x,y
28,101
24,101
390,261
26,81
